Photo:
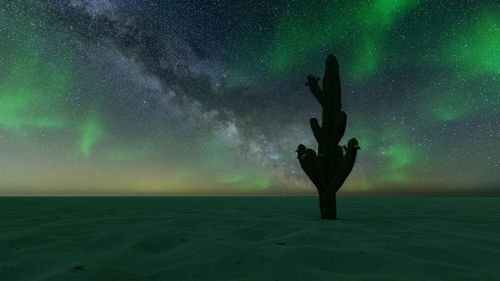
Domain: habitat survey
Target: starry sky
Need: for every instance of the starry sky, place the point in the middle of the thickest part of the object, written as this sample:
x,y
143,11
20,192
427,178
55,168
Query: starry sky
x,y
202,97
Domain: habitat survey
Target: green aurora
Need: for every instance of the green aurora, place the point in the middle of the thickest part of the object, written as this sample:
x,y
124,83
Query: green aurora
x,y
121,99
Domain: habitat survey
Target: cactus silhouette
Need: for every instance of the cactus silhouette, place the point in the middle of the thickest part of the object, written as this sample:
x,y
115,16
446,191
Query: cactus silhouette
x,y
329,168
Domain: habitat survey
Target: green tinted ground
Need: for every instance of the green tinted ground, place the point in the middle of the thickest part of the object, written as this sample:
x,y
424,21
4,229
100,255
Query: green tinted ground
x,y
248,239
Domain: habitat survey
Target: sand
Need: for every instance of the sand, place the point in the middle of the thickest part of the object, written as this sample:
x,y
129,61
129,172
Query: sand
x,y
249,239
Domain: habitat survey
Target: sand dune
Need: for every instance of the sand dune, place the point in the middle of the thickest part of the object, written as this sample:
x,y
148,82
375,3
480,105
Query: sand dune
x,y
248,239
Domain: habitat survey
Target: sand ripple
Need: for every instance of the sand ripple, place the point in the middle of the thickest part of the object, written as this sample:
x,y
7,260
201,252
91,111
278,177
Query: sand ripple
x,y
248,239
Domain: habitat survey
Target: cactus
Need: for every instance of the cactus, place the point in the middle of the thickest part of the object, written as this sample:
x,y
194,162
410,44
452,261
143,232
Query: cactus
x,y
329,168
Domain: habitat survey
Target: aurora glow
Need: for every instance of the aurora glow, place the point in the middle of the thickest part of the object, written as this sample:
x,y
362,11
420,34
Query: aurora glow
x,y
201,97
32,86
307,27
92,133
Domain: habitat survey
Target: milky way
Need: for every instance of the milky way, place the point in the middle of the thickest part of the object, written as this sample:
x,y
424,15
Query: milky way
x,y
207,97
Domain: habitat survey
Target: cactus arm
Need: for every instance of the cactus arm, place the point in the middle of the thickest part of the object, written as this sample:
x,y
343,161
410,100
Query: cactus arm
x,y
315,128
312,82
308,169
309,162
345,167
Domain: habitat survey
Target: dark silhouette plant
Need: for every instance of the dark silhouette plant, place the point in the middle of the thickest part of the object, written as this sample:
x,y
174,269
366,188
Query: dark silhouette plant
x,y
329,168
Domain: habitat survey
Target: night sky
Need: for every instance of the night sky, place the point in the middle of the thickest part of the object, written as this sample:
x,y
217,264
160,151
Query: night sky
x,y
208,97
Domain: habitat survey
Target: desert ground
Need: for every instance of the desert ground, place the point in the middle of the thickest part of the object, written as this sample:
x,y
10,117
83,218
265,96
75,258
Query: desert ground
x,y
249,238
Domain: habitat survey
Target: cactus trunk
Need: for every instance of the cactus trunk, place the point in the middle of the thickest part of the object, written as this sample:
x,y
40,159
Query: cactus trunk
x,y
328,205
